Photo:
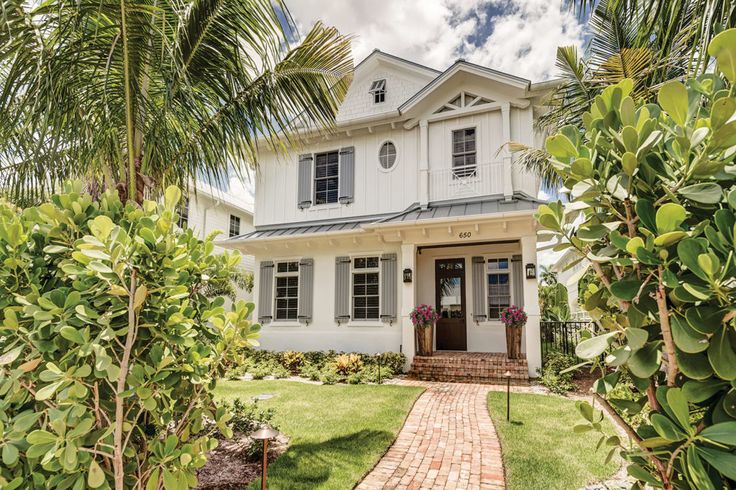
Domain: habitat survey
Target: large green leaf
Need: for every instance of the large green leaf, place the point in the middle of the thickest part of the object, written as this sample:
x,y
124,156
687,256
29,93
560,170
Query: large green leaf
x,y
626,289
721,354
645,211
723,49
645,361
561,147
686,338
699,391
688,250
678,406
694,366
722,461
636,337
697,471
674,100
669,217
594,346
666,428
705,319
705,193
725,433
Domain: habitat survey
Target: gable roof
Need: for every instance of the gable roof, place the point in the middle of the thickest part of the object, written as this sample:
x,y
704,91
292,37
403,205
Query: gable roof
x,y
379,55
464,66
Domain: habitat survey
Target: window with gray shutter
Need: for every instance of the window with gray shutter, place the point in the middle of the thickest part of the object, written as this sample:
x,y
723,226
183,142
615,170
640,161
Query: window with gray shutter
x,y
389,290
347,174
479,297
517,280
304,194
342,289
306,290
265,290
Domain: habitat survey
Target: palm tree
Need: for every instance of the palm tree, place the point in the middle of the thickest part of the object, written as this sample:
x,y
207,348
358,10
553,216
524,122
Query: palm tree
x,y
136,94
648,41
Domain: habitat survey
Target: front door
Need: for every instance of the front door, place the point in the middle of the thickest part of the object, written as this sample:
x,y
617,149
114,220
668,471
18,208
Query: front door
x,y
450,294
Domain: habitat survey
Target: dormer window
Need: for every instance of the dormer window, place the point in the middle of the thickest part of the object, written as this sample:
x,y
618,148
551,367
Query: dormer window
x,y
378,90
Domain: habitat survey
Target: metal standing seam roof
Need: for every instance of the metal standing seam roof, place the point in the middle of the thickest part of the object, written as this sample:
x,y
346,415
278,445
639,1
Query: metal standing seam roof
x,y
449,209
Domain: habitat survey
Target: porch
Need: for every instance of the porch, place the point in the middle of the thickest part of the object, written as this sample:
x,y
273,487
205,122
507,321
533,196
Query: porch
x,y
469,367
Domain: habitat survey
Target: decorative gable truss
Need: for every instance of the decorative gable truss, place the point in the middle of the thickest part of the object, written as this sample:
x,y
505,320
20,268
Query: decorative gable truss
x,y
463,100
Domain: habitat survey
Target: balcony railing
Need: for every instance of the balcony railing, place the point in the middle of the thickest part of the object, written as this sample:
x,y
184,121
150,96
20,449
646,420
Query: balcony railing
x,y
466,181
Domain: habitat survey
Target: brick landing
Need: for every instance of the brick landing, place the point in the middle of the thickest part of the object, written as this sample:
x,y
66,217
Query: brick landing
x,y
448,442
469,367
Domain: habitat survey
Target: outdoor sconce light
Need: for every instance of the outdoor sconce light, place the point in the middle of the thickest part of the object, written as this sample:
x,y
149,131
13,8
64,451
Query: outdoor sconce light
x,y
407,275
531,271
265,434
507,375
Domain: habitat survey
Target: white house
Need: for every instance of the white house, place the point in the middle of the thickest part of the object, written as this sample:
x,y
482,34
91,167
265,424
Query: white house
x,y
210,209
411,199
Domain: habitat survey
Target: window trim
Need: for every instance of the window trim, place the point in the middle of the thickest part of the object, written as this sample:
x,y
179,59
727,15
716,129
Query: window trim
x,y
314,178
396,159
486,258
230,229
377,269
474,172
276,275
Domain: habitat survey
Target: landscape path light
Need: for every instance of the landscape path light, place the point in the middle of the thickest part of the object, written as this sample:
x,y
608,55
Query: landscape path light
x,y
507,375
264,434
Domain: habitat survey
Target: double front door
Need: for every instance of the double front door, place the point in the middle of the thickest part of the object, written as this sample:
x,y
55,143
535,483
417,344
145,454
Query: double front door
x,y
450,300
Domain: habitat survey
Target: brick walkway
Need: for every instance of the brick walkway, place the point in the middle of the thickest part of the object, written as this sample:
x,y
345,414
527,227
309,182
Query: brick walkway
x,y
448,441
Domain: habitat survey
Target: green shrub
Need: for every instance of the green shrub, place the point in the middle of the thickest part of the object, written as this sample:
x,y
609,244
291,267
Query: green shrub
x,y
279,372
292,360
652,190
247,417
369,374
329,375
346,364
354,379
552,376
110,349
310,371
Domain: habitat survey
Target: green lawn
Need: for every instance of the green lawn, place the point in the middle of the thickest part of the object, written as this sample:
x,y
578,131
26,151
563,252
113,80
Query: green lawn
x,y
539,449
337,433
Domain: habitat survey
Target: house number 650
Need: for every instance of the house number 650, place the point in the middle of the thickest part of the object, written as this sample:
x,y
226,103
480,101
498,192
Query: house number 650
x,y
464,234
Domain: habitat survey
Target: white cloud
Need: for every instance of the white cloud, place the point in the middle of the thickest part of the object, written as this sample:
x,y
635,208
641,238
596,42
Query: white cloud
x,y
524,34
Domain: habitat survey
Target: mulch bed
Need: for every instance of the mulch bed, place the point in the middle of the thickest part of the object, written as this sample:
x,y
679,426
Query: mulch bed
x,y
228,468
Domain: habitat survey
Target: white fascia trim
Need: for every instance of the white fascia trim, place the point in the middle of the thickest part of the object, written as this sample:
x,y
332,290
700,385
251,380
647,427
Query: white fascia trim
x,y
443,221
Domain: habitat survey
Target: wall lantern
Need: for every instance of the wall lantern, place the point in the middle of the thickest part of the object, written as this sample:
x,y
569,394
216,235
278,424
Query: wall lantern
x,y
407,275
531,271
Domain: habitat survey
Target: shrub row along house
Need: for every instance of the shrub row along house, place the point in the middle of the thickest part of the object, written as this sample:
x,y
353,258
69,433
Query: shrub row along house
x,y
412,199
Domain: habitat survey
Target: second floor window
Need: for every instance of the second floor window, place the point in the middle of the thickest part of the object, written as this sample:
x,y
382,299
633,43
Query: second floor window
x,y
365,288
326,181
463,152
234,225
183,212
287,290
378,90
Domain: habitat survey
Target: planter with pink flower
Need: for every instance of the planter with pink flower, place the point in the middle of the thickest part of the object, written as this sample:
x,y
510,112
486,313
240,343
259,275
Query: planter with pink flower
x,y
424,317
514,318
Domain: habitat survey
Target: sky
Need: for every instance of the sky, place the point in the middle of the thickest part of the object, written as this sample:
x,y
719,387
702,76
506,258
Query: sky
x,y
514,36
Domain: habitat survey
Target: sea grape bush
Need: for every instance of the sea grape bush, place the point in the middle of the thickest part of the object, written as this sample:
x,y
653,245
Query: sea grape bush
x,y
513,316
423,315
110,347
652,211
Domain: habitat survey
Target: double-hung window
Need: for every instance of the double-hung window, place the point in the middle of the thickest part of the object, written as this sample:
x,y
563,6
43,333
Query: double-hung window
x,y
378,90
234,225
183,212
463,153
326,181
366,295
287,290
499,286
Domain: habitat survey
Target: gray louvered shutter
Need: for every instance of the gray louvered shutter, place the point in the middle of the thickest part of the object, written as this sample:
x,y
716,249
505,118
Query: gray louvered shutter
x,y
342,289
347,174
306,290
265,292
479,297
304,195
389,290
517,279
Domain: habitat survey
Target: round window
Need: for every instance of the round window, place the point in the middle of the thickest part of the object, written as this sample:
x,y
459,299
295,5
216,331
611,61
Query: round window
x,y
387,155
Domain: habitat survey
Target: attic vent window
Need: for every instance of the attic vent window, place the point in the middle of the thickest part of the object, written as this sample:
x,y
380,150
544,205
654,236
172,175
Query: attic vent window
x,y
378,90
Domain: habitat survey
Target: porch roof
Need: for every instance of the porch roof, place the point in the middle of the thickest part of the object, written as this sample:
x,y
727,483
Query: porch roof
x,y
437,211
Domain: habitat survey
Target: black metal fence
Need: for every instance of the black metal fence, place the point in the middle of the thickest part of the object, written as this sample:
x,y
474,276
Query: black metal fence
x,y
560,337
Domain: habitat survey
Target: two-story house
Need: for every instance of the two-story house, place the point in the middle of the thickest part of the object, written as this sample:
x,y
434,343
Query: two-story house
x,y
411,199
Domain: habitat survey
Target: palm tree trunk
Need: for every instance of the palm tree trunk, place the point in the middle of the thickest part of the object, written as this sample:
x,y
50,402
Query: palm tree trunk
x,y
129,121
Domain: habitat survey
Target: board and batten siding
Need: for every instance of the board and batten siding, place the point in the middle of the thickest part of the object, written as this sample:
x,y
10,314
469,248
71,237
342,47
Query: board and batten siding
x,y
323,331
376,190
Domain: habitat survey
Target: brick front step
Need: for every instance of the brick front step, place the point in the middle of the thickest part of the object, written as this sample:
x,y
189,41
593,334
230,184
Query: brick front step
x,y
469,367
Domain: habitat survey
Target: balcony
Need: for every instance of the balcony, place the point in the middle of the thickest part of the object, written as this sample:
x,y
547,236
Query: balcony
x,y
466,181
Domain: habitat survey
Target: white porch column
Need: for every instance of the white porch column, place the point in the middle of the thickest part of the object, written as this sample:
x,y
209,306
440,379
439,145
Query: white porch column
x,y
408,301
531,306
423,162
508,185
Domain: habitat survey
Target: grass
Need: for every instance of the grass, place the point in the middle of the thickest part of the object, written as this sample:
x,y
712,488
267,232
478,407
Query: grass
x,y
539,449
337,433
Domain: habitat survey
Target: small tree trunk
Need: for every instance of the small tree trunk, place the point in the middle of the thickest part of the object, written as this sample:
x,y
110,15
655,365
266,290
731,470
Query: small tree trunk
x,y
118,467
